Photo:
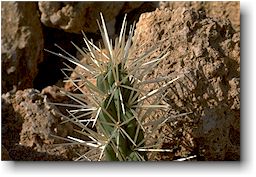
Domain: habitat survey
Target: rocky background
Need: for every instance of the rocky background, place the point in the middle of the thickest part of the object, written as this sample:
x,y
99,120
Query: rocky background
x,y
203,39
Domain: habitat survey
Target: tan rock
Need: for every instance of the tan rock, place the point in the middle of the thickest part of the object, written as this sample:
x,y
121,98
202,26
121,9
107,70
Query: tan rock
x,y
29,124
76,16
22,44
208,50
221,9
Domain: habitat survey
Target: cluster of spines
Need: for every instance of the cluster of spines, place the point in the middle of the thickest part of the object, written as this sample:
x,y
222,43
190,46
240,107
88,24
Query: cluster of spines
x,y
118,104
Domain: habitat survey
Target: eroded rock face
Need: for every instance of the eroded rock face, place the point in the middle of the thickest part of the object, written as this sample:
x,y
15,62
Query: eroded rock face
x,y
29,126
208,51
221,9
22,44
76,16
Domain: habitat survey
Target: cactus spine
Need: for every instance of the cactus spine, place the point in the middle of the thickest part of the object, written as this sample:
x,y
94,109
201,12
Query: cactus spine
x,y
118,115
117,100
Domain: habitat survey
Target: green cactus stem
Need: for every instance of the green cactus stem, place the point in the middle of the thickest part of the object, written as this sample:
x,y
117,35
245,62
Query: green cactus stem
x,y
117,100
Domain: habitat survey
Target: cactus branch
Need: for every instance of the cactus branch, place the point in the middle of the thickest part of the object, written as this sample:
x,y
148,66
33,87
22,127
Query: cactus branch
x,y
118,104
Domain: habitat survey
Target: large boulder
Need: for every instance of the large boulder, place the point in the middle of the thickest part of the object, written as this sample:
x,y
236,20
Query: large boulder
x,y
22,44
208,51
76,16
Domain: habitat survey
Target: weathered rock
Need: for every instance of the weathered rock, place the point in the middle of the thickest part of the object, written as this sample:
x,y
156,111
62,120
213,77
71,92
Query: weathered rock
x,y
22,44
221,9
31,137
208,51
76,16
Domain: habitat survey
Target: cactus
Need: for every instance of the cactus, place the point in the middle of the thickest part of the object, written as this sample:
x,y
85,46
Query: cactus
x,y
118,103
114,117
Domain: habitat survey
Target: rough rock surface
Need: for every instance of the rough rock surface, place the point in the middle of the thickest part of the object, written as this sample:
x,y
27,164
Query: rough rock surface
x,y
221,9
28,125
208,51
76,16
22,44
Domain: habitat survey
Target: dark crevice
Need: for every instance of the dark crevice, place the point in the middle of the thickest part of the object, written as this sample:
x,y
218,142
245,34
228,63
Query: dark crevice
x,y
49,71
134,15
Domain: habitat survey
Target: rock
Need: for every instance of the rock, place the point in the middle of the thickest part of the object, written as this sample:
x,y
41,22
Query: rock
x,y
22,44
76,16
11,123
29,126
5,154
208,51
221,9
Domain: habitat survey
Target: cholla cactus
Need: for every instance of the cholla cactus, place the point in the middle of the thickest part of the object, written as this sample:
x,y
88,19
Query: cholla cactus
x,y
118,104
